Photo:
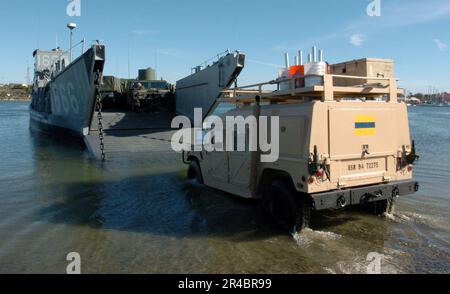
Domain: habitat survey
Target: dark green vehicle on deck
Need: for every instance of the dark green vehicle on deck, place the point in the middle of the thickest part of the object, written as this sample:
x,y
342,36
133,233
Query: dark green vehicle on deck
x,y
144,94
113,91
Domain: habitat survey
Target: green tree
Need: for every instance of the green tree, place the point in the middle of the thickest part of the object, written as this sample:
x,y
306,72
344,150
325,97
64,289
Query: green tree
x,y
419,96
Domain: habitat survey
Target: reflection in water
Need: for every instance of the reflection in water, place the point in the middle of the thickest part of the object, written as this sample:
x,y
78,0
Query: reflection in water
x,y
138,215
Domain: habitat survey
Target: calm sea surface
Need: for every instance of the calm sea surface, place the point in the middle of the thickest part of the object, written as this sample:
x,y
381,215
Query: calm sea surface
x,y
137,215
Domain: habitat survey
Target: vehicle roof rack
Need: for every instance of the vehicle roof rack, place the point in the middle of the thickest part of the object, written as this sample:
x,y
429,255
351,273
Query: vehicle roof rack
x,y
326,92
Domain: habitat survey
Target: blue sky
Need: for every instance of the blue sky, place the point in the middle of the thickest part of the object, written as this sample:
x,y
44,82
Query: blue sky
x,y
177,35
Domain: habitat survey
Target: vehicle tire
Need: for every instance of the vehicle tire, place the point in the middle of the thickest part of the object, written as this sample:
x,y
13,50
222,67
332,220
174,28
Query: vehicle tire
x,y
287,208
195,174
136,107
383,207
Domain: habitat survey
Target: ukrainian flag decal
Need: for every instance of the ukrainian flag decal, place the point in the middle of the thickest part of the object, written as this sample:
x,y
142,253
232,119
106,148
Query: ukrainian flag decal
x,y
365,125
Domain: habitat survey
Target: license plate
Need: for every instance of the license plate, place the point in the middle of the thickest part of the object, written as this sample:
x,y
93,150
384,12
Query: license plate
x,y
363,166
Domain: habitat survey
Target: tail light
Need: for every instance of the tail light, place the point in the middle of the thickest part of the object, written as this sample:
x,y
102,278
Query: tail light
x,y
320,173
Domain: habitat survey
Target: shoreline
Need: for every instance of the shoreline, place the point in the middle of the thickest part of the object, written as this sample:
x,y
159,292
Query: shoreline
x,y
15,100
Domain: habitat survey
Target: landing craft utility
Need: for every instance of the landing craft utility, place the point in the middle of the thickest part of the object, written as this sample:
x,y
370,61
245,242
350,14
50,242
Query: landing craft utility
x,y
340,145
116,116
71,97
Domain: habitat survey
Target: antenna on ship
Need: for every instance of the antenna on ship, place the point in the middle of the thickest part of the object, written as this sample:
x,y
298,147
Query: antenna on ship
x,y
156,59
28,77
129,74
71,26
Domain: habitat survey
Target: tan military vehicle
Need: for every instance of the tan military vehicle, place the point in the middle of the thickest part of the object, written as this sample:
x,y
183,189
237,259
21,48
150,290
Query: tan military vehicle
x,y
339,146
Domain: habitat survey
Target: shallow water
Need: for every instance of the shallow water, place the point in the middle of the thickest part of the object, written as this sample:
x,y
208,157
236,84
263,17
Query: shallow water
x,y
137,215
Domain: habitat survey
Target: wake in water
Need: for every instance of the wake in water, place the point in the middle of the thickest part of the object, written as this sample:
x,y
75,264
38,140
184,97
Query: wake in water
x,y
414,217
307,236
336,257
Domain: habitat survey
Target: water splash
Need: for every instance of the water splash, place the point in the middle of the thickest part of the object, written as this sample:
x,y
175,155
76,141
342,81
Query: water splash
x,y
307,236
301,239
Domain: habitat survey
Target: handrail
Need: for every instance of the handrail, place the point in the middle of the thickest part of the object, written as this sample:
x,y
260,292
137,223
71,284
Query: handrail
x,y
279,81
82,42
327,90
207,62
53,69
360,77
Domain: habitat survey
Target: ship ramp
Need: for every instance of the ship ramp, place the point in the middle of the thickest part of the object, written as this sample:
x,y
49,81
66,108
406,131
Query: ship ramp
x,y
128,133
205,85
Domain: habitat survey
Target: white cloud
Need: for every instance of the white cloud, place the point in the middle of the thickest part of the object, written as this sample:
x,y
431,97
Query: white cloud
x,y
265,63
357,39
441,45
139,32
395,14
173,52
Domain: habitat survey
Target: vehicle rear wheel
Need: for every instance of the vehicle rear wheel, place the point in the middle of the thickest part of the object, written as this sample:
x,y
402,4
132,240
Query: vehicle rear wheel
x,y
383,207
136,107
195,173
287,208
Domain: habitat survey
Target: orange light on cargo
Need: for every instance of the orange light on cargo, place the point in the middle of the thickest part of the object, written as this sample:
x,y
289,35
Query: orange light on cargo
x,y
410,168
311,180
297,71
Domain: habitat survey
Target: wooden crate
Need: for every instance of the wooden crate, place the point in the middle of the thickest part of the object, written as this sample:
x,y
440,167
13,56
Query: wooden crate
x,y
367,67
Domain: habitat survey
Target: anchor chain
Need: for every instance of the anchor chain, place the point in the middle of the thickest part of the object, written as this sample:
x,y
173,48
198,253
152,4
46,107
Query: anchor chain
x,y
101,134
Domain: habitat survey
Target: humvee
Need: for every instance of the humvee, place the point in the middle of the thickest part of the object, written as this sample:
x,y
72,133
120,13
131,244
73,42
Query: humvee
x,y
150,94
339,147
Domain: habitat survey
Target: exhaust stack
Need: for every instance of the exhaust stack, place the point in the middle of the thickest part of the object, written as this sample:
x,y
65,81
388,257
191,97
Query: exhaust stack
x,y
286,57
300,56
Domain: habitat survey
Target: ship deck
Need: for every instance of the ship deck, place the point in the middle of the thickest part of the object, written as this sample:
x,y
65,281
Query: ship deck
x,y
129,133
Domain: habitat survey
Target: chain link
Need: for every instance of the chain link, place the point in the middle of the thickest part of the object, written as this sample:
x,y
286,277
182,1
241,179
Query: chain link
x,y
101,134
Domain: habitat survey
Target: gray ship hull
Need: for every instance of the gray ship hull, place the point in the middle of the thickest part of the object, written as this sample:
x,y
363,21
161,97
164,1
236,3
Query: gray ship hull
x,y
67,102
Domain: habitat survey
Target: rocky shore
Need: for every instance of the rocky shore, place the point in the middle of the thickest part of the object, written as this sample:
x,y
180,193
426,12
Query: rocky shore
x,y
15,93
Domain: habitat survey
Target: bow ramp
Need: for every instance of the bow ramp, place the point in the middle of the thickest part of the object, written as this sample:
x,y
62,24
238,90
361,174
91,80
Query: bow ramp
x,y
127,133
205,85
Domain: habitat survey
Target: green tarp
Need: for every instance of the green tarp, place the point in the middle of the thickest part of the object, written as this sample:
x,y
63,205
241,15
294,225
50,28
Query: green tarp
x,y
117,85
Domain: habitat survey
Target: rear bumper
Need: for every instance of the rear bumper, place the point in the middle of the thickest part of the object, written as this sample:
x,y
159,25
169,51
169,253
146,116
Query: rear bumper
x,y
343,198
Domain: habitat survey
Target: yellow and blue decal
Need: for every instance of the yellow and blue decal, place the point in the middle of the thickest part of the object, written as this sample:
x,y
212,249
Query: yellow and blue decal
x,y
365,125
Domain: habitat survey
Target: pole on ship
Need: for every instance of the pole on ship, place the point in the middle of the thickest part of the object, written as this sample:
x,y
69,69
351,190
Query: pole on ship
x,y
71,26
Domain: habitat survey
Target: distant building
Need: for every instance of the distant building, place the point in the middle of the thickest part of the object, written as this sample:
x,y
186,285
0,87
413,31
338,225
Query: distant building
x,y
19,86
447,97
